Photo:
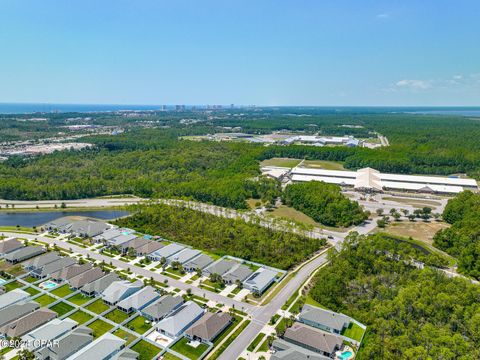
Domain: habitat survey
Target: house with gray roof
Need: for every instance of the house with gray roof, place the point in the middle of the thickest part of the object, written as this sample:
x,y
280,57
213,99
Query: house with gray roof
x,y
16,311
183,256
88,228
149,248
53,267
133,244
260,280
237,274
323,319
23,254
59,224
28,323
208,327
108,235
219,267
162,307
120,290
313,339
126,354
166,252
12,297
86,277
9,245
138,300
284,350
105,347
68,345
41,261
180,319
70,272
95,288
48,332
200,262
121,239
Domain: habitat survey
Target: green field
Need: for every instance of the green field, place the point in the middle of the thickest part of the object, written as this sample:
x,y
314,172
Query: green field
x,y
122,334
139,325
79,299
281,162
61,308
80,317
117,316
12,285
354,332
44,300
97,307
62,291
182,347
323,164
255,342
99,327
145,350
32,291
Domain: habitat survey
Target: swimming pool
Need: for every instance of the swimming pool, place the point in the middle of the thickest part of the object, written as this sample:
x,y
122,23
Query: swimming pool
x,y
47,285
2,281
345,355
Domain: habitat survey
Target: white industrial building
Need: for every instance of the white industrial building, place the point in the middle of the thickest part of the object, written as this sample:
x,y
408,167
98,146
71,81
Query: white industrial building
x,y
372,180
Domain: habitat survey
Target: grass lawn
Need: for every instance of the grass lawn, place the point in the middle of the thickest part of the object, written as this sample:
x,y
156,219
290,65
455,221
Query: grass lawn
x,y
80,317
62,291
255,342
79,299
323,164
32,291
191,352
117,316
354,332
264,347
139,325
281,162
122,334
44,300
98,306
145,350
230,339
169,356
286,212
99,327
30,279
310,301
420,230
12,285
61,308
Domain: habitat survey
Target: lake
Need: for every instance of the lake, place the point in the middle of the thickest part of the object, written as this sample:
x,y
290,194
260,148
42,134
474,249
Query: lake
x,y
31,218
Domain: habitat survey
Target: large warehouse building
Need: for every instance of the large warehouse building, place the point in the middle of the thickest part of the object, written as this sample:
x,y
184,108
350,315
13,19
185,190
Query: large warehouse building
x,y
372,180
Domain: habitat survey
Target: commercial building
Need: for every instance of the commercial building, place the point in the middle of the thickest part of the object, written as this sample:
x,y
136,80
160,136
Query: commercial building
x,y
369,179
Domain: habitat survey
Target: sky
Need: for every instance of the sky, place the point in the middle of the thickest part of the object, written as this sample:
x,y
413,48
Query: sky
x,y
263,52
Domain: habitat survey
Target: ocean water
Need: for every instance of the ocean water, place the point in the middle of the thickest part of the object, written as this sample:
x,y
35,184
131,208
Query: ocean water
x,y
19,108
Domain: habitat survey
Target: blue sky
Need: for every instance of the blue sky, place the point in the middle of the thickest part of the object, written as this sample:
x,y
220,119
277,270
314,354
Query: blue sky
x,y
265,52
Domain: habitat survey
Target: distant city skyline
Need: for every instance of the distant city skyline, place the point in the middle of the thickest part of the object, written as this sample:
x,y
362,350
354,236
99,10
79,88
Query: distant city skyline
x,y
267,53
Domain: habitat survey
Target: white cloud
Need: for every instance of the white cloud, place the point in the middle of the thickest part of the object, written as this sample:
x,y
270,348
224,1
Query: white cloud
x,y
412,84
383,16
457,77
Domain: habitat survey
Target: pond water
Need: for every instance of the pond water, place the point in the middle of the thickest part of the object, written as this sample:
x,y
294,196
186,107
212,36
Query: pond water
x,y
32,218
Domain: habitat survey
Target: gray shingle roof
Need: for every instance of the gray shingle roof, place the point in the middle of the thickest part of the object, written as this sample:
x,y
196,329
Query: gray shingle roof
x,y
135,243
220,267
49,331
101,284
12,297
184,255
71,271
149,248
126,354
105,346
168,250
260,279
42,260
86,277
199,262
162,306
28,322
16,311
68,345
240,273
140,299
176,322
24,253
9,245
54,266
120,290
312,337
289,351
328,318
209,326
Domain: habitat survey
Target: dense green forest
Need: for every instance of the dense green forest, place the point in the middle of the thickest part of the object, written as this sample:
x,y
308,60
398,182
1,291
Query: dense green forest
x,y
324,203
462,239
409,313
221,236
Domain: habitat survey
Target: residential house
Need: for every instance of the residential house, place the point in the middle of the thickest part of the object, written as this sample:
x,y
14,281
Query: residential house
x,y
166,252
323,319
28,323
105,347
180,319
313,339
120,240
107,236
41,261
16,311
138,300
120,290
9,245
12,297
58,225
70,272
126,354
260,280
133,245
237,275
23,254
200,262
162,307
183,256
284,350
219,267
53,267
48,332
88,228
149,248
208,327
68,345
95,288
86,277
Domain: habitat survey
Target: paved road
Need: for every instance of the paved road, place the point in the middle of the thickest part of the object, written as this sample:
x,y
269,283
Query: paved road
x,y
261,315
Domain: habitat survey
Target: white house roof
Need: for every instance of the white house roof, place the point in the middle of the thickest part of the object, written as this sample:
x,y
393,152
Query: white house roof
x,y
261,278
180,318
12,297
105,346
50,331
184,255
117,289
139,299
168,250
